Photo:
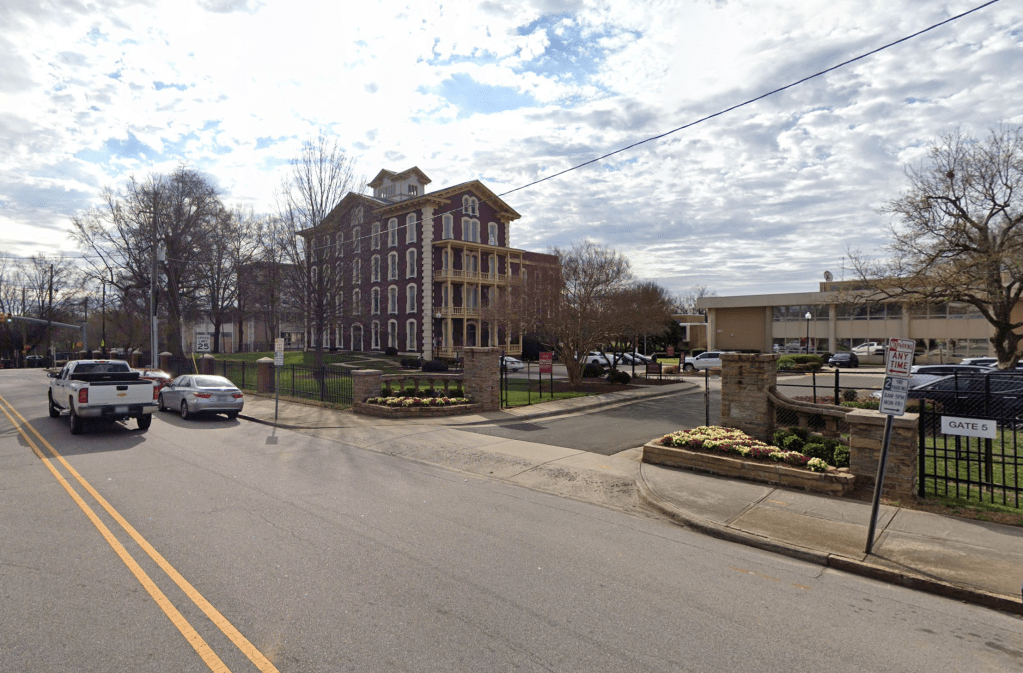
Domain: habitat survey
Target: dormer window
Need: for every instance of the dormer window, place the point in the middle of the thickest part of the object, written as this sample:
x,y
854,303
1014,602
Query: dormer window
x,y
413,190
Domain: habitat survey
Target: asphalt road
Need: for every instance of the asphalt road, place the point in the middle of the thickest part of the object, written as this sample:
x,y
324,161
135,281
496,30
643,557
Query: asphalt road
x,y
611,430
311,555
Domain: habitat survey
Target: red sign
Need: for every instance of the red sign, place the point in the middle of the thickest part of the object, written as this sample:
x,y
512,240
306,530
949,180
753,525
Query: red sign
x,y
671,351
899,358
545,362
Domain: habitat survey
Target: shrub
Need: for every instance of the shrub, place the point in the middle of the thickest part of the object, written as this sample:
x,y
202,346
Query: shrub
x,y
786,363
435,366
779,437
410,363
841,456
793,443
800,432
385,390
849,395
455,391
820,450
671,369
592,371
409,391
619,377
390,350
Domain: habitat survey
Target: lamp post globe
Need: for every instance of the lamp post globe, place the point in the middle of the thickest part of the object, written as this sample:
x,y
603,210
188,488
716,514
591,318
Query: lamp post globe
x,y
808,316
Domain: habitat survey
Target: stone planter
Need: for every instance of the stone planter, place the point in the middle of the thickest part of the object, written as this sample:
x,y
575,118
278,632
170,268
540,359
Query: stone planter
x,y
381,411
832,482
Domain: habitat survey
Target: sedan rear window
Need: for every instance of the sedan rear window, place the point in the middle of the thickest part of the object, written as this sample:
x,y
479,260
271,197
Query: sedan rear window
x,y
212,382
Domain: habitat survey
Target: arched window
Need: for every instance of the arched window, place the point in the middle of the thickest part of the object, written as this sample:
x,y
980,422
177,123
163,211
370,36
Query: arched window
x,y
374,269
392,333
356,271
410,336
410,263
356,303
410,228
392,266
339,305
356,240
474,231
492,233
356,341
375,335
374,301
466,230
339,248
392,299
374,240
411,299
357,215
465,206
474,206
392,232
338,342
314,276
339,275
313,244
449,227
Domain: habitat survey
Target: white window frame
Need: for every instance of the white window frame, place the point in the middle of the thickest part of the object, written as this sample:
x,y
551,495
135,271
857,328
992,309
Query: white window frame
x,y
356,302
492,233
374,269
374,336
374,301
392,333
352,341
411,332
392,300
392,266
411,263
356,271
448,227
356,240
374,237
392,232
411,298
410,228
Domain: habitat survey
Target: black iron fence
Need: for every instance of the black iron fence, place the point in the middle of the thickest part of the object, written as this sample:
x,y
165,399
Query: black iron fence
x,y
330,383
829,387
969,438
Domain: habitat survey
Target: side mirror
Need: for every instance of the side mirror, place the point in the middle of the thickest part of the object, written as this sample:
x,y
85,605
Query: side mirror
x,y
53,375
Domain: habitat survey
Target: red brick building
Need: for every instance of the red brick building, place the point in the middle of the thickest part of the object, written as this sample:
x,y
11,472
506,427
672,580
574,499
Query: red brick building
x,y
416,270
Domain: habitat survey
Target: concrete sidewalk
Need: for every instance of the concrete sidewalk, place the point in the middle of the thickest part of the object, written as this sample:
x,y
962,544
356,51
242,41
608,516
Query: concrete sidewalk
x,y
968,560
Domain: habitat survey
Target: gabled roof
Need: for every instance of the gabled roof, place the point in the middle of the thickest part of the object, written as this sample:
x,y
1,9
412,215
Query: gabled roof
x,y
391,175
485,194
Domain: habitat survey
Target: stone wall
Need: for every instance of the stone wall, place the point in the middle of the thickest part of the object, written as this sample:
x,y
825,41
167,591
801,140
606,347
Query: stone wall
x,y
745,380
482,377
866,436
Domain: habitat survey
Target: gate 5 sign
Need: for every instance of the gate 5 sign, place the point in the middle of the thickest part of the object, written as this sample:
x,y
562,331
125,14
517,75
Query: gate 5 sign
x,y
969,427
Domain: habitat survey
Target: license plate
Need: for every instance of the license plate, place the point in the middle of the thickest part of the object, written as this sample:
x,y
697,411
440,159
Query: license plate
x,y
223,398
120,410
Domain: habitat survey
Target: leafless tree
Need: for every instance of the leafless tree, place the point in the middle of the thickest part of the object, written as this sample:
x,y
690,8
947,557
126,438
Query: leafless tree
x,y
574,307
685,302
176,212
958,234
319,178
232,246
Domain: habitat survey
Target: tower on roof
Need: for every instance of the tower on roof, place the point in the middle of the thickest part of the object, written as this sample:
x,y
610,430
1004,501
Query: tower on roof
x,y
391,186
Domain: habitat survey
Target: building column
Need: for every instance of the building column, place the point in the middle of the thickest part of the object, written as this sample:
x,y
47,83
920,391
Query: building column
x,y
426,263
712,323
832,328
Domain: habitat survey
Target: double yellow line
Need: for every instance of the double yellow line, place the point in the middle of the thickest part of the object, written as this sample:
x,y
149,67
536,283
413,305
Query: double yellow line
x,y
191,635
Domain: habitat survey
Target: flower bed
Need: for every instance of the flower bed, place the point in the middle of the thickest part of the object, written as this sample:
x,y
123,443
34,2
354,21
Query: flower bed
x,y
732,453
416,407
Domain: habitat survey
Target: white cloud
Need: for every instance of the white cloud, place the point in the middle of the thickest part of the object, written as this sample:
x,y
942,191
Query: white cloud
x,y
763,198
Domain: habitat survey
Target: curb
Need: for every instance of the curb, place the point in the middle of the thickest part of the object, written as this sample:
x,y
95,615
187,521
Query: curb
x,y
686,519
595,402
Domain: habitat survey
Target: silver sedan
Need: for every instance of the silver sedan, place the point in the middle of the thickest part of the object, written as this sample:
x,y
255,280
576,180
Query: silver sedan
x,y
193,394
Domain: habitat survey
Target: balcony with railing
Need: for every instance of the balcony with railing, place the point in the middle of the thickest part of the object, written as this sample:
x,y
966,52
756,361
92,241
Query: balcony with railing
x,y
462,275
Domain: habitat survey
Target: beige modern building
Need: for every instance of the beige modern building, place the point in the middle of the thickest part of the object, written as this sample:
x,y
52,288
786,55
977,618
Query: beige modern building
x,y
836,318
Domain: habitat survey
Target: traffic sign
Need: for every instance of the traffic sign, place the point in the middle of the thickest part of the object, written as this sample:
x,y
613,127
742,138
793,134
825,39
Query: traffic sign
x,y
899,358
202,343
278,352
894,395
546,358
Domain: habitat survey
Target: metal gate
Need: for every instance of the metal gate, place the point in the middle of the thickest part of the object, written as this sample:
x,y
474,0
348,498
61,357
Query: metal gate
x,y
971,466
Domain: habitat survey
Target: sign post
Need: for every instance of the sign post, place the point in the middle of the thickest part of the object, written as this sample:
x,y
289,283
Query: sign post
x,y
897,364
547,367
278,363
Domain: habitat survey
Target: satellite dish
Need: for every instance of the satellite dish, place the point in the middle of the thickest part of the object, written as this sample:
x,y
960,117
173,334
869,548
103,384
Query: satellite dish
x,y
828,276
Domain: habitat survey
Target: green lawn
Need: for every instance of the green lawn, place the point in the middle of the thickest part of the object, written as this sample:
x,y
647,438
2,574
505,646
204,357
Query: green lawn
x,y
974,462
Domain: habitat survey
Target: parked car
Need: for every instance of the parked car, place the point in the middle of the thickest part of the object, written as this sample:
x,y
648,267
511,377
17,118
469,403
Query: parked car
x,y
159,377
982,361
948,369
707,360
106,389
194,394
844,359
597,358
869,348
510,364
993,394
628,359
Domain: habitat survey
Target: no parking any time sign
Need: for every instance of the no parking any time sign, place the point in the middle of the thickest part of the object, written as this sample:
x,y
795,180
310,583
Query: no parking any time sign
x,y
899,358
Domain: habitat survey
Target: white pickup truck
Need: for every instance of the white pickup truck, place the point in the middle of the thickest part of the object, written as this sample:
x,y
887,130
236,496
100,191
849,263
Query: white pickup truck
x,y
106,389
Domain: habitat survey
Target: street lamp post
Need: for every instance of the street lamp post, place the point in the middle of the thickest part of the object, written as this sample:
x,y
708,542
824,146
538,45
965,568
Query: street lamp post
x,y
808,316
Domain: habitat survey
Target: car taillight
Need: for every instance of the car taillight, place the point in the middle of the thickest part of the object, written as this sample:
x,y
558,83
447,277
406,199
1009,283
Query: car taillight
x,y
237,395
156,392
83,396
202,395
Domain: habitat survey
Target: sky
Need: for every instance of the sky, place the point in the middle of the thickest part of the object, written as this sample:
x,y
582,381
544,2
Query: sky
x,y
765,198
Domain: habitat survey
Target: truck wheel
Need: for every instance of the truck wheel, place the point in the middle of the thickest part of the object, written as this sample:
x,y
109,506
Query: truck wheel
x,y
75,420
54,411
145,420
184,410
689,368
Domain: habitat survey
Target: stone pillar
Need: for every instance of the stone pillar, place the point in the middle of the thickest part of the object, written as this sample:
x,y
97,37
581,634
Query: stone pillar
x,y
165,361
745,378
264,375
206,364
97,354
866,435
482,377
366,383
134,358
